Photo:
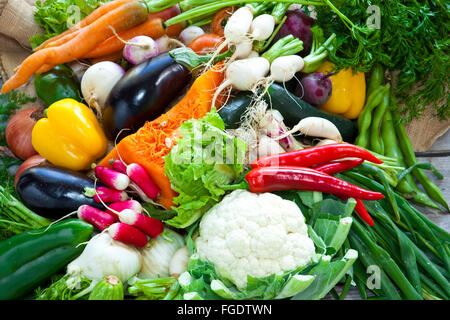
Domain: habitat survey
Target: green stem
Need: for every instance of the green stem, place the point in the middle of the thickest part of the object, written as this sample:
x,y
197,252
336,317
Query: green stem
x,y
287,45
210,7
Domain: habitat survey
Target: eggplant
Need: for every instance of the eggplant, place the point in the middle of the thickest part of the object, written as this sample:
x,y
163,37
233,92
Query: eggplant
x,y
54,192
143,94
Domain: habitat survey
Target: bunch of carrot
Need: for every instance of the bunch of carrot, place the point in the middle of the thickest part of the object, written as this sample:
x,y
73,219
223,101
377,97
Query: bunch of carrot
x,y
94,37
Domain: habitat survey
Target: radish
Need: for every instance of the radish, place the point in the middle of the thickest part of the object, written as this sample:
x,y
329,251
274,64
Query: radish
x,y
318,127
190,33
139,49
104,194
98,81
116,207
127,234
244,75
262,27
141,178
236,31
141,194
238,25
112,178
315,88
284,68
96,217
119,166
151,226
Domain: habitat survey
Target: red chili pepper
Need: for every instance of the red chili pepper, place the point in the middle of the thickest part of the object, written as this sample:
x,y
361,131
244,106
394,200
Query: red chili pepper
x,y
338,166
268,179
315,156
361,211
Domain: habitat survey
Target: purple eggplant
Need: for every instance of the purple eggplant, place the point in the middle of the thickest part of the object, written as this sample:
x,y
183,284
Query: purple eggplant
x,y
143,94
299,25
54,192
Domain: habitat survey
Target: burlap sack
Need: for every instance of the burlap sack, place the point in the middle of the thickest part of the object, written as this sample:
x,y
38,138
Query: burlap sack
x,y
17,26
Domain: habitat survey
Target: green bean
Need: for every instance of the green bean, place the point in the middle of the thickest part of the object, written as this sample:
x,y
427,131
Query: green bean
x,y
405,145
365,117
433,286
410,212
407,187
367,259
385,261
375,79
360,279
376,141
406,256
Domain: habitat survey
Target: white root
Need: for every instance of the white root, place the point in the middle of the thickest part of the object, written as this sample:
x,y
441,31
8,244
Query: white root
x,y
262,27
284,68
316,127
243,75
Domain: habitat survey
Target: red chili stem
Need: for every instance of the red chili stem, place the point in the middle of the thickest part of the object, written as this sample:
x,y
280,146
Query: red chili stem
x,y
316,156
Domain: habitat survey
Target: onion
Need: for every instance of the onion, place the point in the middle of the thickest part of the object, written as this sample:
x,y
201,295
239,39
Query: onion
x,y
139,49
18,132
32,161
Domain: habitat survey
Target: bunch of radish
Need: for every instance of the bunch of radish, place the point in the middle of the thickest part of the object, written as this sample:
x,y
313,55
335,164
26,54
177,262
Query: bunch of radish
x,y
252,70
123,218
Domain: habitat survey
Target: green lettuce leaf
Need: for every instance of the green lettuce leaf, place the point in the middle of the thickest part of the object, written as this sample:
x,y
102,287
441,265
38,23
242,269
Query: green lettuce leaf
x,y
204,159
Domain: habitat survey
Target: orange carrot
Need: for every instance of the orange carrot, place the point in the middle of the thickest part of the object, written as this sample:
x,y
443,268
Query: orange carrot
x,y
120,19
174,30
115,56
150,143
92,17
153,28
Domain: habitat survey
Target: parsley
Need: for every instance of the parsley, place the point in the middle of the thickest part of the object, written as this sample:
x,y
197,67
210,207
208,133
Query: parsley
x,y
55,16
412,39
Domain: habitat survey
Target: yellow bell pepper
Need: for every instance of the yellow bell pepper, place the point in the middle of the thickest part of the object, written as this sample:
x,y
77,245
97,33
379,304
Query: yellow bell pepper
x,y
70,136
348,92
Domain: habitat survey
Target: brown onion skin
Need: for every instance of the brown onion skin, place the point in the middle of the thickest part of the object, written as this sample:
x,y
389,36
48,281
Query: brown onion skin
x,y
32,161
18,132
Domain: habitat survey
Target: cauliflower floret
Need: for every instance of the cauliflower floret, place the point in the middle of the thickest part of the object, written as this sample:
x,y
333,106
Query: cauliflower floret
x,y
254,234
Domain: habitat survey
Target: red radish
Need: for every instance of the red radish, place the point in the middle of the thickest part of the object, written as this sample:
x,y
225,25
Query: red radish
x,y
104,194
96,217
127,234
140,177
140,193
112,178
116,207
151,226
119,166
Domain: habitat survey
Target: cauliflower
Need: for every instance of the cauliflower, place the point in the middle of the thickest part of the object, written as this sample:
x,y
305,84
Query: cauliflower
x,y
257,235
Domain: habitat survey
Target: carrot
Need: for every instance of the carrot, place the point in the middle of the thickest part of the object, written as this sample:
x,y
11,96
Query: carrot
x,y
149,144
120,19
114,57
175,30
93,16
152,27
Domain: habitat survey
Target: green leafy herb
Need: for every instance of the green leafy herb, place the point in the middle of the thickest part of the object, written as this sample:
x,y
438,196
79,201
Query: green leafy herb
x,y
412,38
56,16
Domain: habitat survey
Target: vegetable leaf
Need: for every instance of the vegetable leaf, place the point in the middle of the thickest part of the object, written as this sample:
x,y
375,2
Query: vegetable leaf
x,y
204,158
